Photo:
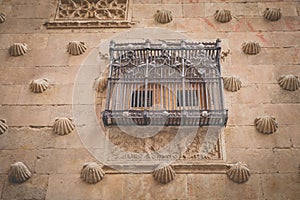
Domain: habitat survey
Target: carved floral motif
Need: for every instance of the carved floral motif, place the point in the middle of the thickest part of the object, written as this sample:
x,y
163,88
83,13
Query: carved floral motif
x,y
92,9
134,148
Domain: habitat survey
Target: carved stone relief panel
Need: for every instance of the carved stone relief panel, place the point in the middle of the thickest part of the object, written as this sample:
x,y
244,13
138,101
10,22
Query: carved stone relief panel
x,y
185,148
91,14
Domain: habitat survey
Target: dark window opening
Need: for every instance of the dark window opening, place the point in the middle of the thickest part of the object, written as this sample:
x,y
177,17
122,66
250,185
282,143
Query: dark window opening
x,y
138,98
191,98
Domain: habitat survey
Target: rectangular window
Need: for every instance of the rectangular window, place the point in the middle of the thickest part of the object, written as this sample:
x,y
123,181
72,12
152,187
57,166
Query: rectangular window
x,y
191,98
138,98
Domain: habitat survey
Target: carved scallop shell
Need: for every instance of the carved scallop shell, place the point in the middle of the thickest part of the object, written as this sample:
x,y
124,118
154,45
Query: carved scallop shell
x,y
18,49
266,124
238,172
39,85
3,126
91,172
251,48
18,173
100,83
223,15
63,126
76,48
2,18
163,16
164,173
232,83
272,14
289,82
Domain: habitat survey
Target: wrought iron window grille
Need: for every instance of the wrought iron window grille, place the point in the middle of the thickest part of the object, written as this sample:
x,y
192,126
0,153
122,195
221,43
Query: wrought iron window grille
x,y
165,83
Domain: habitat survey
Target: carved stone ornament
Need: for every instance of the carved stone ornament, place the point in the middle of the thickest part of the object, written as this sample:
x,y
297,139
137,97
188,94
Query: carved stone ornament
x,y
63,126
251,48
18,49
223,16
91,14
238,173
266,124
2,18
76,48
39,85
232,83
163,16
164,173
91,172
289,82
18,173
100,83
3,126
272,14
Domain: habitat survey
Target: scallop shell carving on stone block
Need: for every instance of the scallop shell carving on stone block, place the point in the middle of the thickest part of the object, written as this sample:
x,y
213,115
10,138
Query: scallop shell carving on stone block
x,y
100,83
272,14
232,83
92,172
266,124
2,18
223,15
163,16
39,85
3,126
238,172
63,126
251,48
164,173
18,173
18,49
76,48
289,82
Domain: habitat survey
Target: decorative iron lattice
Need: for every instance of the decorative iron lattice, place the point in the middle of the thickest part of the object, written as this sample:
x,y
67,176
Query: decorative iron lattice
x,y
90,14
165,83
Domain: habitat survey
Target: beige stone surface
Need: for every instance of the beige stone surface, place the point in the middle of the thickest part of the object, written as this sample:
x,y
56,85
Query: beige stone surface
x,y
62,186
8,157
219,186
56,161
248,137
34,188
145,187
280,186
266,160
61,161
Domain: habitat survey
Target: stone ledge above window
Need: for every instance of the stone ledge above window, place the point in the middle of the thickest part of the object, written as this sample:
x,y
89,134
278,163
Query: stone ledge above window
x,y
91,14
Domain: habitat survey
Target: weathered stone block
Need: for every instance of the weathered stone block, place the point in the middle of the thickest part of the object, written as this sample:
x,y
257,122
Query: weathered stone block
x,y
54,95
9,94
280,186
27,138
286,39
30,11
34,188
31,115
248,137
8,157
138,186
219,186
193,10
235,8
59,161
70,186
287,9
274,160
146,11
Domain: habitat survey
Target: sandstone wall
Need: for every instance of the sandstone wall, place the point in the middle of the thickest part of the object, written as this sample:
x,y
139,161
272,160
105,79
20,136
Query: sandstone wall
x,y
56,161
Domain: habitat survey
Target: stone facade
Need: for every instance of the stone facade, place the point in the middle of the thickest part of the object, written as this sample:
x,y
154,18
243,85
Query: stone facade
x,y
56,161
